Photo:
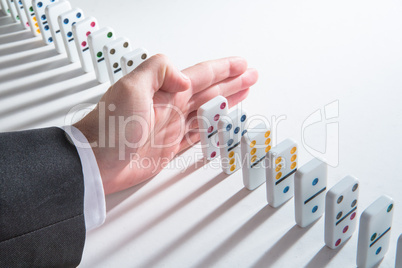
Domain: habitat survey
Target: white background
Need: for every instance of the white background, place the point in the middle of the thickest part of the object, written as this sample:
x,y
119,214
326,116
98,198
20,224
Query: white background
x,y
308,54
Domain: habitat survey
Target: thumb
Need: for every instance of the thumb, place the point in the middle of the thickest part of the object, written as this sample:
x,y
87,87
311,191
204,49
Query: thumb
x,y
163,75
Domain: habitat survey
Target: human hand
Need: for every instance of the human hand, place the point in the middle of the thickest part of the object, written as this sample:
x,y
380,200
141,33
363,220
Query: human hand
x,y
150,114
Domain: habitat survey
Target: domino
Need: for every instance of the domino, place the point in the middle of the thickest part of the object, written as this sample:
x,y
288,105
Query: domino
x,y
113,52
52,12
21,13
341,211
375,232
230,130
81,31
13,11
39,8
66,21
255,144
310,188
281,165
96,41
208,116
131,60
31,17
4,8
398,260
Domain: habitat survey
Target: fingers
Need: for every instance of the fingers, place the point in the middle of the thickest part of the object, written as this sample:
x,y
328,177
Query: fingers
x,y
161,73
205,74
189,140
226,88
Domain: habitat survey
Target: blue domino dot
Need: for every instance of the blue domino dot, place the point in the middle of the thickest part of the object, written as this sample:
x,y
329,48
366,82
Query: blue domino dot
x,y
237,129
78,15
66,21
46,27
230,142
314,209
20,3
73,23
69,34
286,189
378,251
50,40
229,127
243,118
315,181
40,4
244,132
52,1
43,17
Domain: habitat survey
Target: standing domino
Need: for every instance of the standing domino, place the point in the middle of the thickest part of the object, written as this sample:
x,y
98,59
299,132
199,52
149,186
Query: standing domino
x,y
281,165
340,211
66,21
81,31
96,41
255,144
13,10
131,60
39,7
208,116
375,232
4,7
113,52
398,261
21,13
230,130
310,187
31,17
52,12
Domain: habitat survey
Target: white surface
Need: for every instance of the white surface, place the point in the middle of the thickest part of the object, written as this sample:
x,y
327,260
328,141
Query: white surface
x,y
308,53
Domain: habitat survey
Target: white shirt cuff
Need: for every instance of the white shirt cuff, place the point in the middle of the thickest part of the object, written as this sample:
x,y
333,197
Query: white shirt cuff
x,y
94,196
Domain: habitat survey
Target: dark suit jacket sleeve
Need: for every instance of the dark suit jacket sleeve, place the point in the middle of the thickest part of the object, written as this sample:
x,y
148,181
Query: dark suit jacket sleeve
x,y
41,200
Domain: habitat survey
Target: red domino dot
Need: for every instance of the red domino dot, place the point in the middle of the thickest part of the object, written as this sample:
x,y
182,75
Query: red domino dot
x,y
27,24
217,144
84,44
88,33
337,242
345,229
93,24
216,117
223,105
210,129
353,215
213,154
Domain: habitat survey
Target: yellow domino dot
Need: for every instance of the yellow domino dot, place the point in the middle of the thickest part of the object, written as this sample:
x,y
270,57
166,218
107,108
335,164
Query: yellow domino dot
x,y
36,25
34,18
279,175
268,141
231,154
278,160
253,158
293,157
252,144
293,150
267,134
293,165
253,151
278,167
267,149
232,161
232,168
38,31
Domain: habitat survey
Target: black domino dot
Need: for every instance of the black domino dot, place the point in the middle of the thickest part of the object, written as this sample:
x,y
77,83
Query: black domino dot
x,y
355,187
339,215
353,203
340,199
230,142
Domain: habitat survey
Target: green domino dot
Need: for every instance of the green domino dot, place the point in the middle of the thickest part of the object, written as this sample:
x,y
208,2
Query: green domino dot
x,y
373,237
109,34
31,9
8,11
99,54
18,17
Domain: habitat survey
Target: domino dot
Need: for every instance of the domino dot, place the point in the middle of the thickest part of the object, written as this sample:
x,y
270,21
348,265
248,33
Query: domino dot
x,y
293,157
52,1
216,117
18,17
253,151
115,65
373,237
93,24
36,25
27,24
43,17
223,105
232,161
353,215
253,159
279,175
8,11
229,127
286,189
293,165
293,150
84,44
217,144
237,130
88,33
112,51
339,215
244,132
378,251
345,229
267,141
339,199
50,39
315,208
109,34
337,242
31,9
353,203
210,129
315,181
243,118
252,144
267,134
66,21
73,23
267,149
213,154
125,45
40,4
38,31
20,3
231,154
355,187
278,160
46,27
78,15
278,168
144,56
69,34
99,54
130,63
230,142
390,207
232,168
34,18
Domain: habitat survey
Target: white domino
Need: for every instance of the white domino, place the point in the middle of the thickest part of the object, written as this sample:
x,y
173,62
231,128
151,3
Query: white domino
x,y
39,7
398,260
281,165
341,211
4,7
13,10
81,31
66,21
131,60
255,144
208,116
310,189
31,17
230,130
96,41
21,13
375,232
52,12
113,52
